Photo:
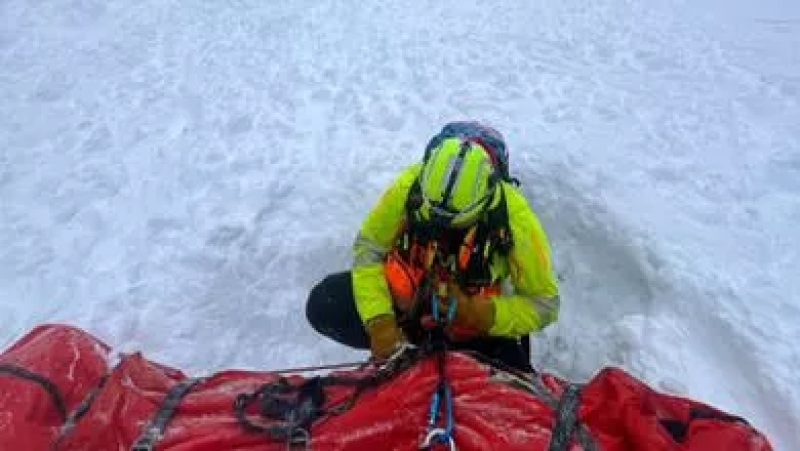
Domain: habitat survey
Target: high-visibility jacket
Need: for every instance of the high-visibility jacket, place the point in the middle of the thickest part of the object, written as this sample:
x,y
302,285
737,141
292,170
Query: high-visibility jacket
x,y
531,304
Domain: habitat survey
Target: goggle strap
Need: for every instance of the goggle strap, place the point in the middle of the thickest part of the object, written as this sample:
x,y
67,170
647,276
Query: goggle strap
x,y
456,172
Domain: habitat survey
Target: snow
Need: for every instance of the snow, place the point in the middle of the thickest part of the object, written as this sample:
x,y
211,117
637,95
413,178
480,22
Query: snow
x,y
175,176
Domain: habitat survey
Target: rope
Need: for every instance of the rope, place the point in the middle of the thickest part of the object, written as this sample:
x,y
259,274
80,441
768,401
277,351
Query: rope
x,y
288,411
334,366
442,435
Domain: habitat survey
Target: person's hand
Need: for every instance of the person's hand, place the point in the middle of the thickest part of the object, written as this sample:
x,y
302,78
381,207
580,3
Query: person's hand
x,y
384,336
474,313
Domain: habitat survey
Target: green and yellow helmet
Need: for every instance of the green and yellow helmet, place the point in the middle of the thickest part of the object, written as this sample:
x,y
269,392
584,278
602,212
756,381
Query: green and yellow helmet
x,y
458,181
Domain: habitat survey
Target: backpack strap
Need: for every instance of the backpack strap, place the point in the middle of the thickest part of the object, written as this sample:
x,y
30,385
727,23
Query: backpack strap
x,y
493,235
499,224
414,228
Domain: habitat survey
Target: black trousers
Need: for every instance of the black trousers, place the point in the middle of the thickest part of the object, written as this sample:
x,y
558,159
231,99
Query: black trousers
x,y
331,311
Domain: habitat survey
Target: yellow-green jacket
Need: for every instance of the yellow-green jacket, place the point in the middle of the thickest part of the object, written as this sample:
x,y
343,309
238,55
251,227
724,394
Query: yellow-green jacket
x,y
532,305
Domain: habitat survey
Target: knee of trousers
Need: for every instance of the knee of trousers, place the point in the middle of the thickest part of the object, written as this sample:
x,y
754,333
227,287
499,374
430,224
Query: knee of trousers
x,y
330,302
315,306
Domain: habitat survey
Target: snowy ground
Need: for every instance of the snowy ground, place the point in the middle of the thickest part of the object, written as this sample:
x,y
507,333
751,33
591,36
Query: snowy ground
x,y
175,175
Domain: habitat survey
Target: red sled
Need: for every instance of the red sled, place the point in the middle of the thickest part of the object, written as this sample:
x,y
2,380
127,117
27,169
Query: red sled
x,y
59,392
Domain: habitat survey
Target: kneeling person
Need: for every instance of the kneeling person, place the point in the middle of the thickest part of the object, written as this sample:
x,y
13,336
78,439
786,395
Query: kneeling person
x,y
452,227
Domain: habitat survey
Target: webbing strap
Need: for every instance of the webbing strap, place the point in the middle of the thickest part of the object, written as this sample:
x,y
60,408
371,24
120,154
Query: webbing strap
x,y
678,428
158,424
566,418
46,384
79,412
534,386
585,439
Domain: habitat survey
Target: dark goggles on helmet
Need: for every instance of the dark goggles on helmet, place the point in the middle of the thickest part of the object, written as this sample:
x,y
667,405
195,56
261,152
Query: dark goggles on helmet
x,y
486,136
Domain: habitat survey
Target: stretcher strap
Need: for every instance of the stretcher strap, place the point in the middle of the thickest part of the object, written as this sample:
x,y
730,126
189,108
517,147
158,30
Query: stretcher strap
x,y
566,422
46,384
678,429
158,424
78,413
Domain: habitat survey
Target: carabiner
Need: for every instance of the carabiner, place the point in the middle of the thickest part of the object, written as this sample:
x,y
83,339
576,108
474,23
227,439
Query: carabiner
x,y
452,305
299,437
441,436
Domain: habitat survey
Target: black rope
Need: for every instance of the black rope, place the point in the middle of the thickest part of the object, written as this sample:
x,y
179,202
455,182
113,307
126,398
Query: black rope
x,y
46,384
295,407
291,410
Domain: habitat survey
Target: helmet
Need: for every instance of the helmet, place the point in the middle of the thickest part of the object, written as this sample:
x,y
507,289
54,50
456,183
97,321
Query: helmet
x,y
486,136
457,182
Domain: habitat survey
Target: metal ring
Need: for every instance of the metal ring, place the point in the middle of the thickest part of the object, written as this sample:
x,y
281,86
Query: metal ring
x,y
434,433
301,437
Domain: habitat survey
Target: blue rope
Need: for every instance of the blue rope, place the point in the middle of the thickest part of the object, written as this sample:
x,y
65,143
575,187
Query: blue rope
x,y
445,435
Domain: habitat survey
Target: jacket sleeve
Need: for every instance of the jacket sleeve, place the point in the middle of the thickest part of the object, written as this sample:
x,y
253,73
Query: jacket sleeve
x,y
535,302
375,239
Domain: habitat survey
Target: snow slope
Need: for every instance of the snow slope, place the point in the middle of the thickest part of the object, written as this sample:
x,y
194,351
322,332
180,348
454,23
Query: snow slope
x,y
176,175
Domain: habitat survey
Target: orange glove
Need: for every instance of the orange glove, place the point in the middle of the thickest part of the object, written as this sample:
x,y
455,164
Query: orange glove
x,y
384,336
474,313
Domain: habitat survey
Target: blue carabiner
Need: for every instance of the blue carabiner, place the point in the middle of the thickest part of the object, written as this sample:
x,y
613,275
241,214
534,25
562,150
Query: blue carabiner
x,y
433,410
448,406
451,308
444,434
435,307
